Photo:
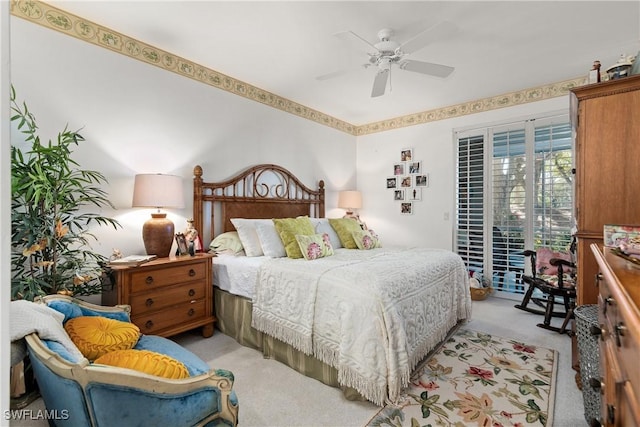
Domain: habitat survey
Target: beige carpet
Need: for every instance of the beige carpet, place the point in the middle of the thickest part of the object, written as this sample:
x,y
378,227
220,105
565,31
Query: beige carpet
x,y
271,394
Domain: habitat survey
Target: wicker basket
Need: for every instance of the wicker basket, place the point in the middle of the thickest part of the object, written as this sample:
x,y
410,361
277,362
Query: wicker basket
x,y
479,294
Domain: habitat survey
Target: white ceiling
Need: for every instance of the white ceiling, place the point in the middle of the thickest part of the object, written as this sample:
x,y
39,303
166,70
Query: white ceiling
x,y
282,47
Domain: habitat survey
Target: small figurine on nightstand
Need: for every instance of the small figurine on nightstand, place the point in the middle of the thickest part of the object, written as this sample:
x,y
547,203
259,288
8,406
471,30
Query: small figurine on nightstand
x,y
193,239
116,254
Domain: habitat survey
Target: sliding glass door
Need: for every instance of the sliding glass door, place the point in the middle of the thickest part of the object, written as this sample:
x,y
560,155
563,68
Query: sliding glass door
x,y
514,192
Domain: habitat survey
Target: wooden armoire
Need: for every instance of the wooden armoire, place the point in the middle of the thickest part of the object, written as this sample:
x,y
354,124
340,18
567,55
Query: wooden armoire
x,y
606,123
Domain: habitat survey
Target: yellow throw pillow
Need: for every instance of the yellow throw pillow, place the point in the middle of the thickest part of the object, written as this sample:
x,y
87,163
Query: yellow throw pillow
x,y
288,228
96,335
345,227
146,361
366,239
315,246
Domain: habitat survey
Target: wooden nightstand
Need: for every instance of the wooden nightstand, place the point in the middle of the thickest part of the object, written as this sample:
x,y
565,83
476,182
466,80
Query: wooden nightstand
x,y
167,295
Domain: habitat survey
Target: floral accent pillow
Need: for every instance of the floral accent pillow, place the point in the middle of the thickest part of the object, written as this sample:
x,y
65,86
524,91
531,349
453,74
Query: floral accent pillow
x,y
366,239
314,246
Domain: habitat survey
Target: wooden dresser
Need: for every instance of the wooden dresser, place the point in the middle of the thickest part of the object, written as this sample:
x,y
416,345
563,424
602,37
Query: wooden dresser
x,y
606,122
167,295
619,319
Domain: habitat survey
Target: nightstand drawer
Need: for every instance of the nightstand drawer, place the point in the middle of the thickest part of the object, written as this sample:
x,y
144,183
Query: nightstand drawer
x,y
159,320
144,303
151,279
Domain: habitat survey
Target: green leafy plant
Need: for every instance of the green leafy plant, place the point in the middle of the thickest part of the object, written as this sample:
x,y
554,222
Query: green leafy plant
x,y
50,193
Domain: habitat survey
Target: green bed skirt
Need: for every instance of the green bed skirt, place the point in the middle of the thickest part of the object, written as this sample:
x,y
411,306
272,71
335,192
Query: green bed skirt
x,y
234,319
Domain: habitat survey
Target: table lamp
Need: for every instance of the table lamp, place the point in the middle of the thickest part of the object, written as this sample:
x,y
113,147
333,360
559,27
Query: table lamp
x,y
158,191
350,200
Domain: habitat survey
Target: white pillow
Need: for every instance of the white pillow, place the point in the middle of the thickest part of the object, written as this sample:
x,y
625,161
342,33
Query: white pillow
x,y
248,235
322,225
270,240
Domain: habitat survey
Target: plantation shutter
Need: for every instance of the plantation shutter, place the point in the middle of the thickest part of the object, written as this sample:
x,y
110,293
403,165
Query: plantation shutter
x,y
470,201
514,192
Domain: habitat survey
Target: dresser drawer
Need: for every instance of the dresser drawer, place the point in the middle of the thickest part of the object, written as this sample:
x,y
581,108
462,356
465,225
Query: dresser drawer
x,y
158,320
145,280
168,296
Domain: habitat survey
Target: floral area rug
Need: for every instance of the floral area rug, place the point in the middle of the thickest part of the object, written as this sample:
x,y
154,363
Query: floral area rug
x,y
476,379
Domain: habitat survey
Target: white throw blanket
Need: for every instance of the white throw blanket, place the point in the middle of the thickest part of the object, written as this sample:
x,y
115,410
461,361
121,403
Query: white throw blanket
x,y
373,315
27,317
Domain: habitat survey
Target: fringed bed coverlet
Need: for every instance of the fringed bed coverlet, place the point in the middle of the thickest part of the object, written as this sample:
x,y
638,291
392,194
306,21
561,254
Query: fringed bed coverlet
x,y
372,315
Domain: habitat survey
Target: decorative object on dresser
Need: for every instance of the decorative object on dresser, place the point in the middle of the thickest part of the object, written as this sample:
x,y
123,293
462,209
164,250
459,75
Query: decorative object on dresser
x,y
167,295
131,260
350,200
158,191
619,331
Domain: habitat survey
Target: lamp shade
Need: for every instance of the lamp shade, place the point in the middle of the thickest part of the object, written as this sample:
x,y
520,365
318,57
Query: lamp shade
x,y
158,191
350,200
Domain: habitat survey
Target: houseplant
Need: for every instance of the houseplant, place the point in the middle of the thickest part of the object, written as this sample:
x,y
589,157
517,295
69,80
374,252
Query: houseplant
x,y
50,194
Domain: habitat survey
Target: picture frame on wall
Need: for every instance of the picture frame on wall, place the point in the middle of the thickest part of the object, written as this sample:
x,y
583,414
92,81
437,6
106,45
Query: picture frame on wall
x,y
398,195
406,182
406,208
392,182
422,180
398,169
415,167
406,154
414,194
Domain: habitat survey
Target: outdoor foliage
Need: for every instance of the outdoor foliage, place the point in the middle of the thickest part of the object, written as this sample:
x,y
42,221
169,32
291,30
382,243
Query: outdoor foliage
x,y
50,194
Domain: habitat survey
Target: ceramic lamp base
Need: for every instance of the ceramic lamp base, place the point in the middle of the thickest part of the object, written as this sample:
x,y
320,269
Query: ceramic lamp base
x,y
157,234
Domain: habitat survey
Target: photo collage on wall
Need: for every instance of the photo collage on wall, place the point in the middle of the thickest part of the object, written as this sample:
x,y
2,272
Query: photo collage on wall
x,y
408,180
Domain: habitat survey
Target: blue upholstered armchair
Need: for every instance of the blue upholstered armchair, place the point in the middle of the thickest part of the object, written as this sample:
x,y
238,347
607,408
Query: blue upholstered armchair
x,y
79,393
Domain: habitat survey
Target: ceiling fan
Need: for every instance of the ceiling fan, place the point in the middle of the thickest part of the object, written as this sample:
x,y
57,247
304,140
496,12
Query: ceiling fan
x,y
387,53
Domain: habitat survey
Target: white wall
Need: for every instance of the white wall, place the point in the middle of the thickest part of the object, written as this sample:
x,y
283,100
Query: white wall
x,y
137,118
141,119
433,144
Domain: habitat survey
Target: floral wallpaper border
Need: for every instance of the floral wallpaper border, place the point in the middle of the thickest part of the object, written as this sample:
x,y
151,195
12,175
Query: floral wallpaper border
x,y
59,20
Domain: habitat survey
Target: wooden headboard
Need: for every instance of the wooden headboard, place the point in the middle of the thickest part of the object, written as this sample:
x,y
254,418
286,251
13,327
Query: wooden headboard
x,y
261,191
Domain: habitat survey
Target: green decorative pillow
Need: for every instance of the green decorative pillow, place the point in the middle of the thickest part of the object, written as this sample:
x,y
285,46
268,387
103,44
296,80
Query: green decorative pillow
x,y
366,239
95,335
288,229
345,227
146,361
315,246
226,243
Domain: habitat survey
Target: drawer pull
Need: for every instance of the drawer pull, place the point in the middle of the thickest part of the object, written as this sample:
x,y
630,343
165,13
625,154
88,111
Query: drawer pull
x,y
594,423
191,292
597,279
149,324
149,302
191,312
595,383
620,331
192,272
611,414
607,302
595,330
149,280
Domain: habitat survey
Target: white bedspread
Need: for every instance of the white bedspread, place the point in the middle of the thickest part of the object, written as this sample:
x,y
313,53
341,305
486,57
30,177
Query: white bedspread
x,y
373,315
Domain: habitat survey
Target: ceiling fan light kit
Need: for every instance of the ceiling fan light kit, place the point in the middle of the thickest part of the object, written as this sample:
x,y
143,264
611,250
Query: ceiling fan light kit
x,y
386,53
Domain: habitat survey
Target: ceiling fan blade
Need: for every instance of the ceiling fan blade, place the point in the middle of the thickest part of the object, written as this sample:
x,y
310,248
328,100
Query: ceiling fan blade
x,y
426,68
380,83
332,75
356,42
440,31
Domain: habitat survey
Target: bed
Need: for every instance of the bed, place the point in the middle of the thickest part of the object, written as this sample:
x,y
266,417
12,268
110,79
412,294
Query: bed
x,y
360,320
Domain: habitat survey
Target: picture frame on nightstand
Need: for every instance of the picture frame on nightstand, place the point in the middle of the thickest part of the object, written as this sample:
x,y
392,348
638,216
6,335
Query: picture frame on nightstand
x,y
181,241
